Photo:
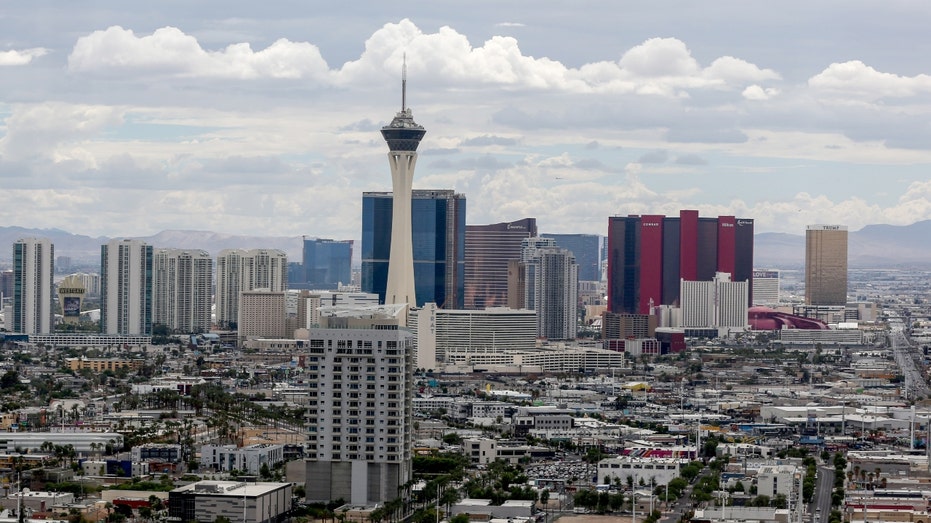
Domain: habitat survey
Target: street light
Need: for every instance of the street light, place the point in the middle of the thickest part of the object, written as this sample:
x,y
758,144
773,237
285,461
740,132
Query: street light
x,y
633,499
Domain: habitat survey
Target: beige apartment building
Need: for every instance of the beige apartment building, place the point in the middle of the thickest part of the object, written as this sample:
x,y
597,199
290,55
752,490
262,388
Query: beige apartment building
x,y
102,364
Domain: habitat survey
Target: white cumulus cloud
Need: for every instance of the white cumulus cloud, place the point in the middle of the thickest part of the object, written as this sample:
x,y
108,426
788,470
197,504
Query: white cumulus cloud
x,y
37,129
757,93
22,57
665,66
658,66
736,71
858,80
169,50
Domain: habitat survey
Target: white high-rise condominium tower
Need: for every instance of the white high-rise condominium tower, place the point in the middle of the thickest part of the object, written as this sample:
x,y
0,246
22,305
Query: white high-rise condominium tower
x,y
551,287
239,271
33,269
229,285
126,288
403,136
359,416
182,281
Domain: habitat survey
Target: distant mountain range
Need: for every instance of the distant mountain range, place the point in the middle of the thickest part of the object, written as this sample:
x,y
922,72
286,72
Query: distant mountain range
x,y
874,246
86,249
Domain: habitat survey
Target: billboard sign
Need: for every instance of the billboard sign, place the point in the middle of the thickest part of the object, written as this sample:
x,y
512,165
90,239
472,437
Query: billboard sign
x,y
71,306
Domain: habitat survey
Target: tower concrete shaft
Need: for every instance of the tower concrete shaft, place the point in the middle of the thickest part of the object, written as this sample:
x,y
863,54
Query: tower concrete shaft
x,y
400,286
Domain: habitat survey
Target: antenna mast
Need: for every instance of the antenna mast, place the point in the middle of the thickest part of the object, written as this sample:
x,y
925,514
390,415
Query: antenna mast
x,y
404,84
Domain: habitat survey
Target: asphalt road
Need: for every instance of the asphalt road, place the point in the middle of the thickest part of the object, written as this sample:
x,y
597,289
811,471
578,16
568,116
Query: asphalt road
x,y
684,503
907,357
822,498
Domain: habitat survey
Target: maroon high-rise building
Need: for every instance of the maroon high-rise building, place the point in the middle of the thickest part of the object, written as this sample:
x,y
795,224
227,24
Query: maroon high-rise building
x,y
648,255
488,248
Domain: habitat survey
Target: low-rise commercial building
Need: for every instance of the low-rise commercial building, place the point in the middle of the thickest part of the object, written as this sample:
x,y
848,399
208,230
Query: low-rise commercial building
x,y
37,501
483,451
83,442
104,364
653,471
166,452
205,501
227,458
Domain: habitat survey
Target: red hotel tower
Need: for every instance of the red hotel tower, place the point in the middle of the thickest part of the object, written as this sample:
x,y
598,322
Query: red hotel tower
x,y
648,256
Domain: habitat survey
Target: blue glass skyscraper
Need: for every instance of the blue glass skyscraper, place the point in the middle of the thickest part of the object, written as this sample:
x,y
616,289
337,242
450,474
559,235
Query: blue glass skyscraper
x,y
438,235
327,263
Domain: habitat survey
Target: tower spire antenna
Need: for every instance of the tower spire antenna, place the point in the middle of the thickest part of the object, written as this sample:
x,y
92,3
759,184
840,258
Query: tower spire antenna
x,y
404,83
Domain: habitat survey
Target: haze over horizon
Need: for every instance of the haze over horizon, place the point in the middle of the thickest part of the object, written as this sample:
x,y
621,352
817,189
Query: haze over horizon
x,y
875,246
263,120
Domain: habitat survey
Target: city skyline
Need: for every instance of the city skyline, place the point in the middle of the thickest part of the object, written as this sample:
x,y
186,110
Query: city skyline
x,y
180,119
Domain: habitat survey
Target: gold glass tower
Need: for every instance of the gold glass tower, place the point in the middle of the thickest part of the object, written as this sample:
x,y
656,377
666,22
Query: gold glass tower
x,y
826,265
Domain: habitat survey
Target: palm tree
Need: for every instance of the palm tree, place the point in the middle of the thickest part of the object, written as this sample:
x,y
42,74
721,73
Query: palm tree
x,y
449,497
393,508
156,503
47,447
377,515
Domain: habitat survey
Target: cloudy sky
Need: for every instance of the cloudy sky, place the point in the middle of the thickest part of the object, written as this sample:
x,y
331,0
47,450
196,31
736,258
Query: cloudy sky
x,y
262,118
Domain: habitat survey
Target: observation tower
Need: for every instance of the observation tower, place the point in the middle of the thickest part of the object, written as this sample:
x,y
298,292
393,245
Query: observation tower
x,y
402,135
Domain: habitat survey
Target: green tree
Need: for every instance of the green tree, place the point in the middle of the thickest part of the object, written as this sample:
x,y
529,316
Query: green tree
x,y
156,503
710,446
780,501
586,499
452,439
9,380
424,515
593,455
760,501
616,501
